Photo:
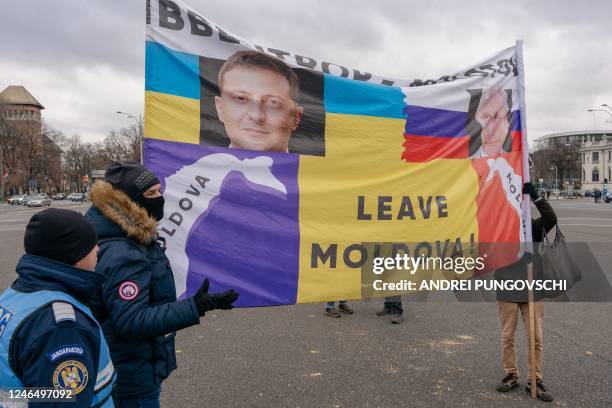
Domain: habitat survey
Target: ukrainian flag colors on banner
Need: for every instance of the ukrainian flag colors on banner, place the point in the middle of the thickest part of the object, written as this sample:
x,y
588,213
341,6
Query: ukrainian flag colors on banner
x,y
278,168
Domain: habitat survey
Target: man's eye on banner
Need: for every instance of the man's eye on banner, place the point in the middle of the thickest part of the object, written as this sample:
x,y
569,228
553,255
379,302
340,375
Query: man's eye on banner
x,y
254,101
489,122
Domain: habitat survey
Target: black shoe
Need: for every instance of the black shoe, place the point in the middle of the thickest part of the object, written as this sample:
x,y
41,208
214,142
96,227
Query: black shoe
x,y
507,383
386,311
332,312
543,395
345,308
396,318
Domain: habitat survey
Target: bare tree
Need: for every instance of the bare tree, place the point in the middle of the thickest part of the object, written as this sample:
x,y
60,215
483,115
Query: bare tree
x,y
25,139
123,144
57,162
9,141
541,167
9,144
565,157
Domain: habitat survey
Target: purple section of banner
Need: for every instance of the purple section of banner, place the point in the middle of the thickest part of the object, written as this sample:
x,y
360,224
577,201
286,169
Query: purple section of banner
x,y
423,121
248,238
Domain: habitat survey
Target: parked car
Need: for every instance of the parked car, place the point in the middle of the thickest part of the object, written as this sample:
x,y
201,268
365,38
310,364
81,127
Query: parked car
x,y
16,199
588,193
38,200
76,196
59,196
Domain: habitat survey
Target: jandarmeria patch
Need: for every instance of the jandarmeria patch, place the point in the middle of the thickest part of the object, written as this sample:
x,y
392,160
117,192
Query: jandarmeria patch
x,y
68,350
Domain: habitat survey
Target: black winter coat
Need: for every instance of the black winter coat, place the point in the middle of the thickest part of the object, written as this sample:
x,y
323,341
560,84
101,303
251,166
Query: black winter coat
x,y
518,270
137,306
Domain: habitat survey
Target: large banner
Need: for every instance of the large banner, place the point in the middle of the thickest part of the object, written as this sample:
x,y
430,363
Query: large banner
x,y
280,170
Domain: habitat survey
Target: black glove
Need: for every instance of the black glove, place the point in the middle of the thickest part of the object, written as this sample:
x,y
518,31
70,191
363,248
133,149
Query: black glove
x,y
529,188
209,301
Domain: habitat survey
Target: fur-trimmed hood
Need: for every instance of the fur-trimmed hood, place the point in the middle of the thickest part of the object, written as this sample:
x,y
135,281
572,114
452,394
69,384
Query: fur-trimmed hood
x,y
116,206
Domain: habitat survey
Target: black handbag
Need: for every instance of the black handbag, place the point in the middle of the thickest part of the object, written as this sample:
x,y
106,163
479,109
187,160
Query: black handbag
x,y
557,264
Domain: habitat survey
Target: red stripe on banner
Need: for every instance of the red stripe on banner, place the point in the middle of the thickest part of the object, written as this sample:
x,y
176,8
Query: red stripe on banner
x,y
517,145
425,148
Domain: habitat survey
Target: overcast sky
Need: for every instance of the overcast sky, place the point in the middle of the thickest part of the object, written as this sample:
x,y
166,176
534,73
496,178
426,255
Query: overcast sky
x,y
84,59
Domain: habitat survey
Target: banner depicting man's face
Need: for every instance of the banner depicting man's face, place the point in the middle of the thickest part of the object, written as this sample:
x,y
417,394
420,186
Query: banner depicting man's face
x,y
257,104
489,121
492,114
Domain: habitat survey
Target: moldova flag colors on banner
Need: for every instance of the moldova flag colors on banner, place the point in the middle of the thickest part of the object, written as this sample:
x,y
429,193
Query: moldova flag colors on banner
x,y
279,168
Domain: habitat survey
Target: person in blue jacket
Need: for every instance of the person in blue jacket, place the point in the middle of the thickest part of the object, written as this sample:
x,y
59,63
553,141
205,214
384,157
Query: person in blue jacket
x,y
137,305
48,335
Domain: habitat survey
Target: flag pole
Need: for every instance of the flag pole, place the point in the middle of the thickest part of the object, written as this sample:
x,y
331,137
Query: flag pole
x,y
527,213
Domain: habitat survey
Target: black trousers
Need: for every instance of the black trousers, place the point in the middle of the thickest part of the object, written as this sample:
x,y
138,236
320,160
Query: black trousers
x,y
394,304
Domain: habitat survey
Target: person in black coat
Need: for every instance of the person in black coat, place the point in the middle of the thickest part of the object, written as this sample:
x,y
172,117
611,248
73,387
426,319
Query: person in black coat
x,y
137,304
511,302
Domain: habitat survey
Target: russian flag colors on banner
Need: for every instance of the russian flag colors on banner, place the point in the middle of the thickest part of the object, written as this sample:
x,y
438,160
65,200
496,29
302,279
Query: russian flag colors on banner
x,y
278,169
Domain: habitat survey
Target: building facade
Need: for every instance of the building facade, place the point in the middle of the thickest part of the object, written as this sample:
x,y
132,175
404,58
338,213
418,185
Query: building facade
x,y
30,160
596,163
576,138
579,158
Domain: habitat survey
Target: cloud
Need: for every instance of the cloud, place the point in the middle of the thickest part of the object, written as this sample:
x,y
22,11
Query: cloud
x,y
81,99
85,60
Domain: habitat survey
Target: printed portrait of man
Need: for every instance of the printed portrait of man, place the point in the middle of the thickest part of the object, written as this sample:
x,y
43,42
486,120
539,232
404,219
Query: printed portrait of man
x,y
499,169
489,122
258,102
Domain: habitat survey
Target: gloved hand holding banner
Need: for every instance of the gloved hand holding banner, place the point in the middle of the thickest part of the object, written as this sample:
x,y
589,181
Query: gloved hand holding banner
x,y
277,167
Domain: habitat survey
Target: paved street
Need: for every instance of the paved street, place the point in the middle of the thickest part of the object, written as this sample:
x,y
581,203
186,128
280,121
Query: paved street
x,y
444,355
14,218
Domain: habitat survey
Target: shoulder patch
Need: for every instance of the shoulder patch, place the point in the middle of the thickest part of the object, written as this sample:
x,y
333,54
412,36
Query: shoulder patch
x,y
128,290
70,375
5,316
64,351
63,312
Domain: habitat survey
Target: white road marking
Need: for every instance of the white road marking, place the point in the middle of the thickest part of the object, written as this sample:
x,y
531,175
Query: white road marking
x,y
593,219
9,220
589,208
586,225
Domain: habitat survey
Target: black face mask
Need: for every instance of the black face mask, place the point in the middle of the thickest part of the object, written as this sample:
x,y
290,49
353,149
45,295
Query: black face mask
x,y
154,206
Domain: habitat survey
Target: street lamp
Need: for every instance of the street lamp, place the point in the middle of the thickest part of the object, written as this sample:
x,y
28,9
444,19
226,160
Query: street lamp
x,y
140,132
609,112
556,184
600,110
607,106
2,149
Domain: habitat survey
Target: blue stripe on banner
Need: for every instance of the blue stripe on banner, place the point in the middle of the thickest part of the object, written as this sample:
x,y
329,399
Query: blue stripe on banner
x,y
171,72
423,121
515,121
342,95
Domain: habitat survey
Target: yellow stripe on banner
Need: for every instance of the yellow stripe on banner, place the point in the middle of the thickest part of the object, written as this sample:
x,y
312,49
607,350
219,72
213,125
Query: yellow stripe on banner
x,y
173,118
363,158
